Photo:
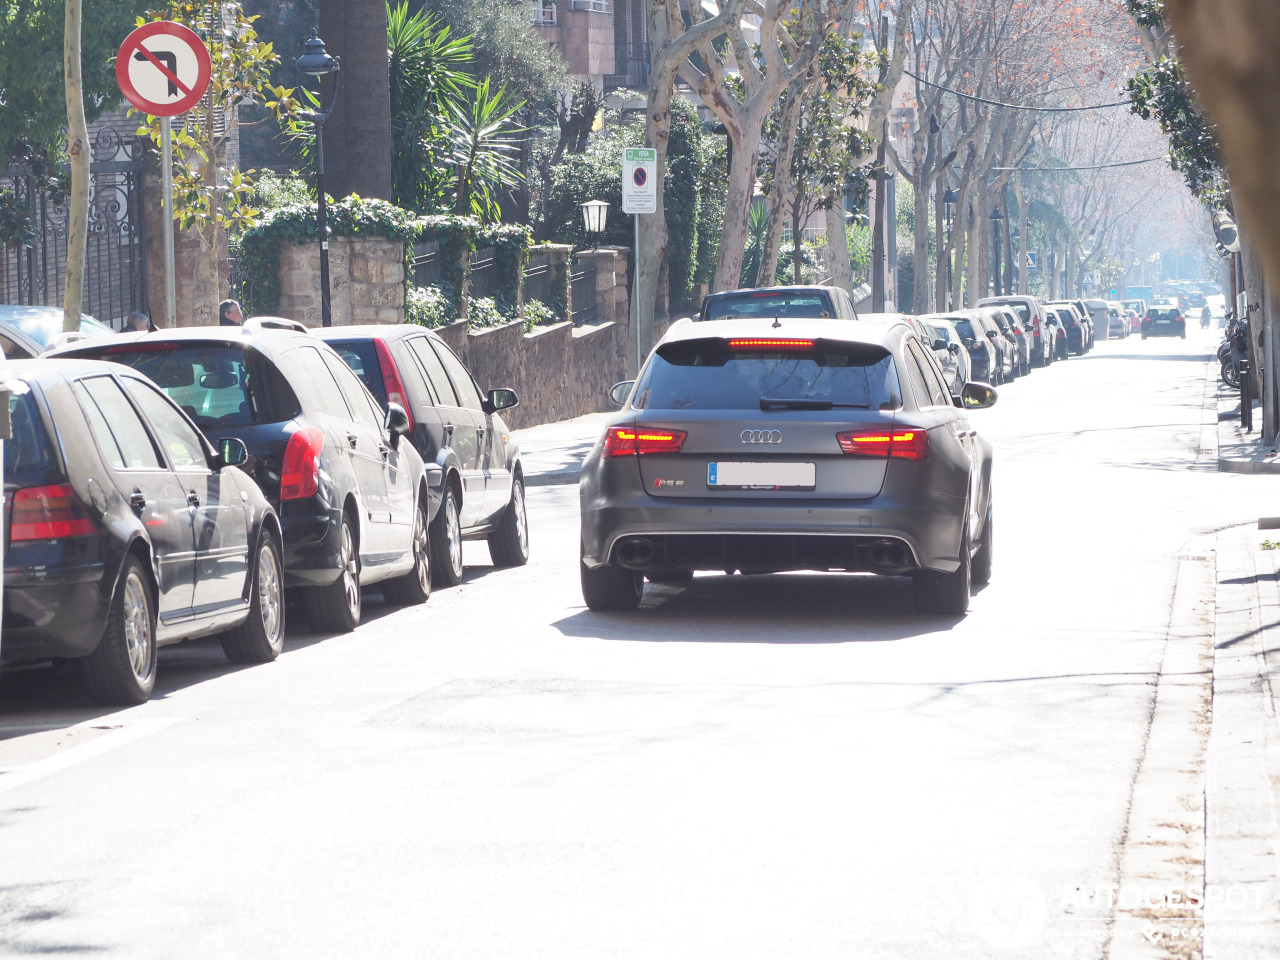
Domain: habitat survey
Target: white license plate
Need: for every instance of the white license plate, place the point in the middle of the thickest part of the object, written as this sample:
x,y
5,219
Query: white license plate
x,y
1163,323
745,475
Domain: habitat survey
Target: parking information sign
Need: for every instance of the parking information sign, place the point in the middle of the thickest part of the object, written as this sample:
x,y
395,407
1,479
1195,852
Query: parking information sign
x,y
639,180
163,68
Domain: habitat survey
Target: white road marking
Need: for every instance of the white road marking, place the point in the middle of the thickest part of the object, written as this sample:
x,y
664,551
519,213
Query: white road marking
x,y
128,733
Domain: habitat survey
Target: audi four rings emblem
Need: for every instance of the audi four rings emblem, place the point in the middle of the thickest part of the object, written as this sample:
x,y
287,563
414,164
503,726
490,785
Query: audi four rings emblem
x,y
761,436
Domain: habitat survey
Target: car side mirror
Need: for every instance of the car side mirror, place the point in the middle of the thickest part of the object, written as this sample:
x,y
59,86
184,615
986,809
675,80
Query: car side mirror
x,y
978,396
970,343
232,452
619,392
396,422
953,348
940,344
500,398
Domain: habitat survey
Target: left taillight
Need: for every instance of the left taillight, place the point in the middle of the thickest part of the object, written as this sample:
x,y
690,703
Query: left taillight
x,y
903,443
640,441
391,381
51,512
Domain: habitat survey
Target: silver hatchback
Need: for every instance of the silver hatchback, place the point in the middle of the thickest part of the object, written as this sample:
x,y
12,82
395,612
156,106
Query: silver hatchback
x,y
759,446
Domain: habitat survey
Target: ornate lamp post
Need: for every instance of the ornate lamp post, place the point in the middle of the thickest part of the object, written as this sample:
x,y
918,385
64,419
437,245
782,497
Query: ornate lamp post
x,y
949,200
593,218
316,62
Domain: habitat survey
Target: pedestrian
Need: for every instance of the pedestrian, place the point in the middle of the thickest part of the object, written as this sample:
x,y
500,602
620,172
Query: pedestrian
x,y
138,322
230,314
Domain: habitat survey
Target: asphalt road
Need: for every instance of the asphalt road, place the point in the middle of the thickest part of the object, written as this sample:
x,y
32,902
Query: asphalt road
x,y
788,766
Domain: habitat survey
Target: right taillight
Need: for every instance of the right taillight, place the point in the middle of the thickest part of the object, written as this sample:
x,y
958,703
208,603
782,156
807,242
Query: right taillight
x,y
639,441
904,443
300,472
391,382
51,512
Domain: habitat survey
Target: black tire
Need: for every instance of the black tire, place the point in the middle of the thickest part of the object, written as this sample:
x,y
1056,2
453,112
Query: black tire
x,y
121,671
509,544
261,637
337,606
1231,374
610,588
980,570
446,542
673,575
414,586
945,593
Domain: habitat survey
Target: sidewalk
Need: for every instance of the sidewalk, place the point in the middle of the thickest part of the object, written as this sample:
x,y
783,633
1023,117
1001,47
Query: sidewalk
x,y
552,453
1242,793
1240,452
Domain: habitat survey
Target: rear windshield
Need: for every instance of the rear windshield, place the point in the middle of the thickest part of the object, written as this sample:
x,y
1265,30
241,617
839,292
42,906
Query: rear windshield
x,y
1021,309
27,452
709,375
44,327
217,385
362,357
769,305
965,329
1169,313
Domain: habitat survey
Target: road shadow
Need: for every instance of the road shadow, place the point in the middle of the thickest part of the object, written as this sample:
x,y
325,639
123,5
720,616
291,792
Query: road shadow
x,y
779,608
1180,357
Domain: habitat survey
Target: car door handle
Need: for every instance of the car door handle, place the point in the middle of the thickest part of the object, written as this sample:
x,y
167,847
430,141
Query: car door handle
x,y
352,439
137,500
448,432
193,498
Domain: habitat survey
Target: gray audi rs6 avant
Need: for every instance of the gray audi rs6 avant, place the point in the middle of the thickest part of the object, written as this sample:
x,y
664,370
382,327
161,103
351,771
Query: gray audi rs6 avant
x,y
763,445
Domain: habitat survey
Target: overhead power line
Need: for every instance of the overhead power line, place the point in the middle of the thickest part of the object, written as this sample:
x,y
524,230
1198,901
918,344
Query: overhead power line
x,y
1100,166
1016,106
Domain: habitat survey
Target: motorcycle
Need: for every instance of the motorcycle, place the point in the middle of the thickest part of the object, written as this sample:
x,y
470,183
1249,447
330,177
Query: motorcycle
x,y
1233,351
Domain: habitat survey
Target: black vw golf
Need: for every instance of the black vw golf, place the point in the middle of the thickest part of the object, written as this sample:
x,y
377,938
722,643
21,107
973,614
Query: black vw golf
x,y
126,530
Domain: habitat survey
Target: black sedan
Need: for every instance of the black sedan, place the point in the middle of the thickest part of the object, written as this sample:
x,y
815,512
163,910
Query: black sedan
x,y
127,530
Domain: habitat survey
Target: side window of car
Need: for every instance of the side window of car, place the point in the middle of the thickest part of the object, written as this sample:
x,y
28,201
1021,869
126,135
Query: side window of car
x,y
362,405
121,435
461,379
177,436
320,382
919,386
11,349
936,391
434,371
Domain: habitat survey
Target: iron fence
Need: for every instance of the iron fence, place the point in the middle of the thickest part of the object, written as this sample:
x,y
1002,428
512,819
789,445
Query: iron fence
x,y
425,266
537,278
115,256
582,280
484,274
630,66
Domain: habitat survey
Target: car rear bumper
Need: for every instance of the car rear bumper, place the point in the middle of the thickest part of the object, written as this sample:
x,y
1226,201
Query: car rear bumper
x,y
53,612
882,534
311,547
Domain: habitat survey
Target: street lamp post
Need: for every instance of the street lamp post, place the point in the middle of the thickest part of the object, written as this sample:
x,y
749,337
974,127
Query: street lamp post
x,y
996,258
949,200
317,63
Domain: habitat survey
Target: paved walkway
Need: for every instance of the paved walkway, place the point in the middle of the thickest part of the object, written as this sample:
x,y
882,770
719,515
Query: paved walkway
x,y
552,453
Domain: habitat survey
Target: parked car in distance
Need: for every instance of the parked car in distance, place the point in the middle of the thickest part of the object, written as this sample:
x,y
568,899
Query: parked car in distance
x,y
475,475
1072,325
1139,307
27,332
1006,348
1164,319
352,498
953,358
1031,318
1021,337
983,359
1119,319
801,301
127,530
828,445
1099,316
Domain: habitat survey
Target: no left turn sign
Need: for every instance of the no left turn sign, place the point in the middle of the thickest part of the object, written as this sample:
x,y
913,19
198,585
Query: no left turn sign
x,y
163,68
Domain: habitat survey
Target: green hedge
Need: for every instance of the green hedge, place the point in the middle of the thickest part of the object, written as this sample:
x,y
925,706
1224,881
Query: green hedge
x,y
510,242
681,198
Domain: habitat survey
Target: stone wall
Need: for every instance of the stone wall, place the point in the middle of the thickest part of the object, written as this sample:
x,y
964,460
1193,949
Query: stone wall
x,y
366,281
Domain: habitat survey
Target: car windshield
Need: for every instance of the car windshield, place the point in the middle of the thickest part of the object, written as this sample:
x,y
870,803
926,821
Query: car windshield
x,y
217,385
1021,309
26,452
44,326
362,357
711,374
964,329
769,305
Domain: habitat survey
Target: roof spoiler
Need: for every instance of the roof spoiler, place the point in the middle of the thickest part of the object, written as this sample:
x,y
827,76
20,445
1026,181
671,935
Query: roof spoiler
x,y
275,323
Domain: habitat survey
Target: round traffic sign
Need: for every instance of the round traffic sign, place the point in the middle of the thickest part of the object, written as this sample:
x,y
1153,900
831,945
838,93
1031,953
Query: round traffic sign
x,y
639,176
163,68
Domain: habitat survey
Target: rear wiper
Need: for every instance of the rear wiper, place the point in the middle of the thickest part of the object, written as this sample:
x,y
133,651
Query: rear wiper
x,y
806,403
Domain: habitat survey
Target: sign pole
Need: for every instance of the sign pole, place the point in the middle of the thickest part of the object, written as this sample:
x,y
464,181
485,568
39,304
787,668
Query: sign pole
x,y
639,195
635,293
166,179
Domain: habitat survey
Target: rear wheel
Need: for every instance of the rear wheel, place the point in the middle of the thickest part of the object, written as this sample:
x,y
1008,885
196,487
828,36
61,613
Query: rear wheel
x,y
121,671
446,541
337,606
610,588
414,586
261,637
509,544
946,593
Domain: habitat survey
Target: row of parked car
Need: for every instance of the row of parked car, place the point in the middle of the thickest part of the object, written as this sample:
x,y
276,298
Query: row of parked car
x,y
176,484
